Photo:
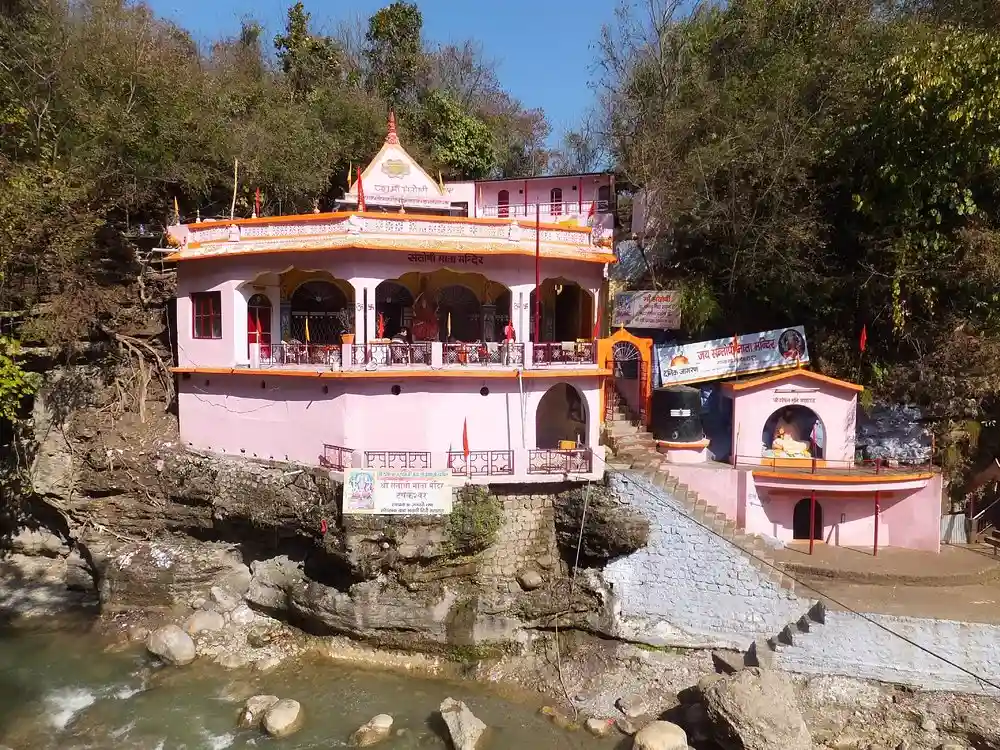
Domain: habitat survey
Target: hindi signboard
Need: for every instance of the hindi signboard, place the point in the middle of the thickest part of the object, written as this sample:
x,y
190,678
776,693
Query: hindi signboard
x,y
766,351
647,310
419,492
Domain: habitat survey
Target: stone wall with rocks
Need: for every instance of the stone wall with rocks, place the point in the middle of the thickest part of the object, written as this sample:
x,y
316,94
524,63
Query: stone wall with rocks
x,y
689,587
526,539
863,647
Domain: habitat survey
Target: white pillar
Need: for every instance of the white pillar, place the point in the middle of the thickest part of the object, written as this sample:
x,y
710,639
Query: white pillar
x,y
520,313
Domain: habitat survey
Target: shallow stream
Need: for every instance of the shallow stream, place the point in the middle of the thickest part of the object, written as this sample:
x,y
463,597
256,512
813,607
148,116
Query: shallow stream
x,y
62,691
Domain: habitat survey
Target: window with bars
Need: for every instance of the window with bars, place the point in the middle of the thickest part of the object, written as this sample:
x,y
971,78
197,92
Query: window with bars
x,y
207,318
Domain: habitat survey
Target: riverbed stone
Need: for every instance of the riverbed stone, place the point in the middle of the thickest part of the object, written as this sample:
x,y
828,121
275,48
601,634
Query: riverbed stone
x,y
632,706
757,708
254,710
283,718
202,621
464,728
225,601
529,580
171,644
599,727
372,732
242,615
660,735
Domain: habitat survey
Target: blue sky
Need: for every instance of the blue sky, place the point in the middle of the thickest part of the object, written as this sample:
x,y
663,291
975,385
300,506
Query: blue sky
x,y
544,50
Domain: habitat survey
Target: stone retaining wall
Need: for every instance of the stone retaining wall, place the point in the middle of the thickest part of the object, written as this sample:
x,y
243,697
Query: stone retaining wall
x,y
853,646
689,587
526,538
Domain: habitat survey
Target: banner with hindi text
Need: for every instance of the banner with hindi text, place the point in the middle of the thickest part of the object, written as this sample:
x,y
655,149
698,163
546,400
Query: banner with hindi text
x,y
423,492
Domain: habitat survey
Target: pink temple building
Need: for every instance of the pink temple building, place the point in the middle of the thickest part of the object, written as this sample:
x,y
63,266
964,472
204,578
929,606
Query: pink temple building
x,y
389,332
793,474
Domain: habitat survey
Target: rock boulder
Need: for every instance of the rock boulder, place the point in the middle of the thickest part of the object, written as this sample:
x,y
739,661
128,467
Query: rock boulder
x,y
374,731
254,709
756,710
283,718
464,728
171,644
660,735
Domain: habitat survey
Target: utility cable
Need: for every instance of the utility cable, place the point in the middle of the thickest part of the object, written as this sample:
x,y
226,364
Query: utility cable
x,y
978,677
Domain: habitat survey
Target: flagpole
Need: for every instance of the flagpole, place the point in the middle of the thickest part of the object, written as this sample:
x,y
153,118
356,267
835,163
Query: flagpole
x,y
538,273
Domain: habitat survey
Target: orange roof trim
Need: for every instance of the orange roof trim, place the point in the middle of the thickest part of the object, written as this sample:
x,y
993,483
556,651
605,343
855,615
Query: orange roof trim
x,y
788,375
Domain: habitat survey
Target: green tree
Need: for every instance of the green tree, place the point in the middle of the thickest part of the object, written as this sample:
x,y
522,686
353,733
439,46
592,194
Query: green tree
x,y
459,142
394,51
307,60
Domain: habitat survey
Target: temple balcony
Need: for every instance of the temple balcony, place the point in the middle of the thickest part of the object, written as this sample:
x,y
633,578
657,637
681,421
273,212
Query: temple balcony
x,y
428,355
560,212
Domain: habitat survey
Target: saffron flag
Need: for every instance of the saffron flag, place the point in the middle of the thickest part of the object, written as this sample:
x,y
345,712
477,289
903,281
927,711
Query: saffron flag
x,y
863,343
177,211
307,330
259,334
465,440
350,175
597,325
361,193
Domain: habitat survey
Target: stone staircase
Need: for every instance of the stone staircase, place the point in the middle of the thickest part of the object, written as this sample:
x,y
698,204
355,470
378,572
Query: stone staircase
x,y
635,450
762,652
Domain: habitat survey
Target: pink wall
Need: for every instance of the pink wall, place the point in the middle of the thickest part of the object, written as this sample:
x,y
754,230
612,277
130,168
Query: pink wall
x,y
363,269
290,418
539,191
718,486
909,518
836,407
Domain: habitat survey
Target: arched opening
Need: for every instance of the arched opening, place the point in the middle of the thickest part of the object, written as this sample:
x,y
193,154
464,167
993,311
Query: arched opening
x,y
450,306
259,310
800,520
503,204
459,314
320,313
567,311
561,419
555,202
793,431
394,302
604,198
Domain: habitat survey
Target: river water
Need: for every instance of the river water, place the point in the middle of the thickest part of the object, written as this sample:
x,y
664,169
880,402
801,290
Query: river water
x,y
64,691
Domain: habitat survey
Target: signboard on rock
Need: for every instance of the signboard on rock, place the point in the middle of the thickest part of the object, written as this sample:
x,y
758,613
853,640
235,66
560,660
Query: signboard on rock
x,y
780,349
418,492
647,310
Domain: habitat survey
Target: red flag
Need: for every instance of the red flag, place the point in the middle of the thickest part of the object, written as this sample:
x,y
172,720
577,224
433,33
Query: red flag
x,y
361,193
597,325
863,343
465,440
256,202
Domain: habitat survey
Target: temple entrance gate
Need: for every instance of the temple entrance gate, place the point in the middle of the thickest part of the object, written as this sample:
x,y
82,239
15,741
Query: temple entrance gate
x,y
629,361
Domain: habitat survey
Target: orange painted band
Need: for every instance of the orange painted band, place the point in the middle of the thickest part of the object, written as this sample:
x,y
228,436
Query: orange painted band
x,y
844,478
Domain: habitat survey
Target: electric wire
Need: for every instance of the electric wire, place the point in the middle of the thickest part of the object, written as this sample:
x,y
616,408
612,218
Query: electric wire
x,y
632,481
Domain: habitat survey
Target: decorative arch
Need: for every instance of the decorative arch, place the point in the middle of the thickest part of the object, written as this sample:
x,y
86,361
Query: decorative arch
x,y
606,350
316,309
561,417
793,432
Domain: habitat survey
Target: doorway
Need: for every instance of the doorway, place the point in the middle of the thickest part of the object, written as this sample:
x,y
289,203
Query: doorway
x,y
800,521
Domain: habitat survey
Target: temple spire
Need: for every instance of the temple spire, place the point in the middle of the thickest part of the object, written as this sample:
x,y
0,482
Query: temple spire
x,y
391,138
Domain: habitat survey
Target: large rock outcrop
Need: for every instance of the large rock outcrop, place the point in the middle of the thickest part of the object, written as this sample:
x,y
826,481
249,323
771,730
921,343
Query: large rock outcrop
x,y
756,709
610,529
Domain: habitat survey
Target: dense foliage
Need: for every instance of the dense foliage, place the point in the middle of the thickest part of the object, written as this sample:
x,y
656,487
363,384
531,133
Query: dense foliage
x,y
109,114
830,163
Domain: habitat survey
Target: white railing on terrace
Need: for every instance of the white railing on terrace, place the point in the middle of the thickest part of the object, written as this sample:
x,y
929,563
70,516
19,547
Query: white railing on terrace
x,y
549,212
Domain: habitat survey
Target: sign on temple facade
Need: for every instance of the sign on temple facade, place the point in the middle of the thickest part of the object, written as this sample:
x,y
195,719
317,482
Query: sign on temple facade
x,y
397,492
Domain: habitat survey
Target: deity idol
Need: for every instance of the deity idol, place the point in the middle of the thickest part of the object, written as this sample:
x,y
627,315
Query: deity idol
x,y
425,319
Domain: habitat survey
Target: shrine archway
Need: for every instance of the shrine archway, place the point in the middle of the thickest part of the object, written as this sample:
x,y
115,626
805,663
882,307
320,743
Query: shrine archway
x,y
628,362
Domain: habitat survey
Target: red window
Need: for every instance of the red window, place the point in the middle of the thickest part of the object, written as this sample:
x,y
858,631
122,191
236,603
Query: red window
x,y
207,315
503,204
555,201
